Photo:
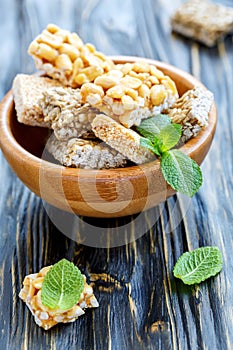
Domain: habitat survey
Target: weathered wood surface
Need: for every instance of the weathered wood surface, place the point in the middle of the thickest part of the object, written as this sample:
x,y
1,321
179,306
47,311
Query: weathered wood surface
x,y
141,305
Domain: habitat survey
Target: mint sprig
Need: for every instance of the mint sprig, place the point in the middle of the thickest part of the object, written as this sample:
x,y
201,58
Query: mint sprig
x,y
181,172
170,136
62,286
151,127
196,266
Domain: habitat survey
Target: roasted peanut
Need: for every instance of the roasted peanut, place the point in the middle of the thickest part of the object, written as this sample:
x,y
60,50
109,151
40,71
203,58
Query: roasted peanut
x,y
106,81
158,94
70,51
63,62
46,52
130,82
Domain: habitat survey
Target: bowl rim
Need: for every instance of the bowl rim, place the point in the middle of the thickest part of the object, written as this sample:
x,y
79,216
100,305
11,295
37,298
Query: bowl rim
x,y
189,147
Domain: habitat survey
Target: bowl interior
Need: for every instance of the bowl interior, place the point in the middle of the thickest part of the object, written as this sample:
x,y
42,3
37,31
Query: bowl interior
x,y
31,138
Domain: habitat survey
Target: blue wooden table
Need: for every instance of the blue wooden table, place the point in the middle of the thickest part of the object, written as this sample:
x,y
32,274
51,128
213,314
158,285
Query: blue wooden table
x,y
142,306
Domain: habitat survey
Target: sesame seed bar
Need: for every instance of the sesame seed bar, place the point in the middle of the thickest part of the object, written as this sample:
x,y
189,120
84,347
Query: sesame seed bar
x,y
203,21
68,117
27,89
191,111
85,154
62,55
125,141
46,317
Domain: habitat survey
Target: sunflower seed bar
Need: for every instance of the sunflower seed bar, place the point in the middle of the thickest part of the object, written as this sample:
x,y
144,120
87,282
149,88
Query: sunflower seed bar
x,y
191,111
27,89
203,21
125,141
130,92
67,116
63,56
46,317
85,154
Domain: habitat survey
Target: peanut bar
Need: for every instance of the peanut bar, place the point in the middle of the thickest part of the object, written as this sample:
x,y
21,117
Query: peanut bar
x,y
130,92
62,55
46,317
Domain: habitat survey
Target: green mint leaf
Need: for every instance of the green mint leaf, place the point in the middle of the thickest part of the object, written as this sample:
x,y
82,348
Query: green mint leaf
x,y
158,143
152,126
170,136
196,266
148,144
181,172
62,286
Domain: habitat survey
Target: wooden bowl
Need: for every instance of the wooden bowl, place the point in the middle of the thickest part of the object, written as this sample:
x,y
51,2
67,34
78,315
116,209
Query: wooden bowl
x,y
95,193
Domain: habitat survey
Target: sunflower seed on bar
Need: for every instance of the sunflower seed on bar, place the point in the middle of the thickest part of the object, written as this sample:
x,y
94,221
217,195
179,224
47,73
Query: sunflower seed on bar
x,y
68,117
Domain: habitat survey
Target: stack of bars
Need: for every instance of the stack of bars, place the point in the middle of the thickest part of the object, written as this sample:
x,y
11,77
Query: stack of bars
x,y
94,105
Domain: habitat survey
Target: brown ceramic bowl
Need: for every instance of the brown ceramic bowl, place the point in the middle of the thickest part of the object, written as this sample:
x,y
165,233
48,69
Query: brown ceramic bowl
x,y
95,193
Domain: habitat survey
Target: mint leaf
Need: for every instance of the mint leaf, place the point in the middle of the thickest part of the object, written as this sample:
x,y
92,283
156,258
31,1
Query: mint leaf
x,y
160,135
152,126
198,265
62,286
170,136
148,144
181,172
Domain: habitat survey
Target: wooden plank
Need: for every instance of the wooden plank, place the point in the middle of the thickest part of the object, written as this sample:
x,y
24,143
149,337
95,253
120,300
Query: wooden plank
x,y
141,305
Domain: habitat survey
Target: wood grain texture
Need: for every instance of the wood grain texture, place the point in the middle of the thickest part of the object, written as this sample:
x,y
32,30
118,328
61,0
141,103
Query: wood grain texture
x,y
141,305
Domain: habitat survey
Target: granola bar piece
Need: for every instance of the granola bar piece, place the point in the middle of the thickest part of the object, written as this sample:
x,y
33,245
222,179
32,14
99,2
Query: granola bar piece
x,y
130,92
63,56
202,20
68,117
85,154
46,317
191,111
27,89
125,141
